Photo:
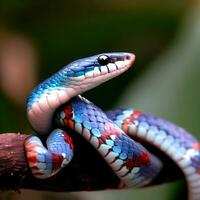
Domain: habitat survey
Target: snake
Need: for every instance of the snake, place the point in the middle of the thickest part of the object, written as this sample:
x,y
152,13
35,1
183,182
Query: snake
x,y
122,137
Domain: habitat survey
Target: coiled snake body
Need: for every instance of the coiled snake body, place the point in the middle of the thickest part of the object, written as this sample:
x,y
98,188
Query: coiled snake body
x,y
111,133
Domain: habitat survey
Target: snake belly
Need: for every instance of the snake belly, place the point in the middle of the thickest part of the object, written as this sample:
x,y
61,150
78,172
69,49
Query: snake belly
x,y
111,134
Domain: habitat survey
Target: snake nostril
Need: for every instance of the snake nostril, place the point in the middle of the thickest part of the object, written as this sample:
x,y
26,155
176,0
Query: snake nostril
x,y
127,57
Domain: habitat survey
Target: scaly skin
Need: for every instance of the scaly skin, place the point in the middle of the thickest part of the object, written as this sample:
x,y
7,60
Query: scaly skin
x,y
131,162
112,134
70,81
174,141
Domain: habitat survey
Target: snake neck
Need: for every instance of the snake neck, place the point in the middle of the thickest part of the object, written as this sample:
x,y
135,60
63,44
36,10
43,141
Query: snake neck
x,y
43,102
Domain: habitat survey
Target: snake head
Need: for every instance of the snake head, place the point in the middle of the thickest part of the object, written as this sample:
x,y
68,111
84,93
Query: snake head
x,y
72,80
89,72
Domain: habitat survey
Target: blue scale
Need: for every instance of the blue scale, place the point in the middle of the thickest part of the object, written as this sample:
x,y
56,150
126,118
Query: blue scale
x,y
123,156
87,125
40,157
84,117
92,118
117,149
78,118
110,143
94,124
125,148
96,132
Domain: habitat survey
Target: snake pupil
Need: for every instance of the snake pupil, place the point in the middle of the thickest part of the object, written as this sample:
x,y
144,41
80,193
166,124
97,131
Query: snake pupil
x,y
103,60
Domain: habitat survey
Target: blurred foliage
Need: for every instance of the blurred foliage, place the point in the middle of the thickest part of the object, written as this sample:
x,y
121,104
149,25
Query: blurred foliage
x,y
66,30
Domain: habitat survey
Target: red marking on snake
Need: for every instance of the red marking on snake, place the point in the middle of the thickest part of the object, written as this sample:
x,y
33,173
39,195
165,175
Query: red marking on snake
x,y
68,111
66,122
32,157
129,120
56,161
32,154
135,114
69,141
32,145
138,161
109,130
69,123
196,146
198,171
68,117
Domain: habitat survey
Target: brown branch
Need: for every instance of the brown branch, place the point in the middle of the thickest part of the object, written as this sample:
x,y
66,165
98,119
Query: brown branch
x,y
87,171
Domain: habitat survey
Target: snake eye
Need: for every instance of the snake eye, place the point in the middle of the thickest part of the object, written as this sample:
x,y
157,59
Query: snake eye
x,y
103,60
